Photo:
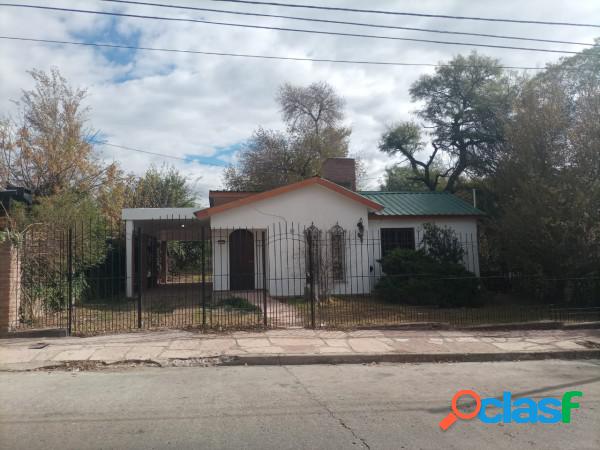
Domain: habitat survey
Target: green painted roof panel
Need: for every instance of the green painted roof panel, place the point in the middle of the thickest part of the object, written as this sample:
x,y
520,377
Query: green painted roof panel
x,y
421,204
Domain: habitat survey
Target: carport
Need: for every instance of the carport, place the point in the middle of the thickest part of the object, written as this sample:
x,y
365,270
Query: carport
x,y
148,230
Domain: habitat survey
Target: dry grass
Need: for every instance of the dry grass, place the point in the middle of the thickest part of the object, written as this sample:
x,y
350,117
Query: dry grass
x,y
369,311
92,319
182,308
176,305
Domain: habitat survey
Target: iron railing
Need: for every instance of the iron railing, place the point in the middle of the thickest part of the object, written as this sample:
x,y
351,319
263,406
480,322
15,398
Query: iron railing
x,y
176,273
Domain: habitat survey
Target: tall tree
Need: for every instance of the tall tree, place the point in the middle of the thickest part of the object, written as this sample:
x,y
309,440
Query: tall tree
x,y
402,178
547,184
465,104
48,148
163,187
314,132
266,161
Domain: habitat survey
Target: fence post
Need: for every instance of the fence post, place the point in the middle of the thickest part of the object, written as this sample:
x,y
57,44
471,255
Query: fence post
x,y
70,281
203,269
140,278
264,278
311,279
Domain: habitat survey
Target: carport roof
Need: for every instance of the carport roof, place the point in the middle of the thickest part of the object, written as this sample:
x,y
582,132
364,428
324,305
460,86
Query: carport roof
x,y
157,213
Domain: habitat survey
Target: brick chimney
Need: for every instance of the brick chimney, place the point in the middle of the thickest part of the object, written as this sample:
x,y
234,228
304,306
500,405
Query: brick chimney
x,y
341,171
216,198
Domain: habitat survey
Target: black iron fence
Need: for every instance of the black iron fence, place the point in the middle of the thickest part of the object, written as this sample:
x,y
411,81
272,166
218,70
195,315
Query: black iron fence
x,y
175,273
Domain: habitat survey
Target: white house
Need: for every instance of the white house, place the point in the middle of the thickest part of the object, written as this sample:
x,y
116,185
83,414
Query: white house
x,y
259,239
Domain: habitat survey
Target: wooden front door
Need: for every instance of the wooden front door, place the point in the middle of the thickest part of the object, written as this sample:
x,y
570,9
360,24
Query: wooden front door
x,y
241,260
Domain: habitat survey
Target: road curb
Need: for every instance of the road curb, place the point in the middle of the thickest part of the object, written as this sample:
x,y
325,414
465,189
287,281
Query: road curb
x,y
292,360
270,360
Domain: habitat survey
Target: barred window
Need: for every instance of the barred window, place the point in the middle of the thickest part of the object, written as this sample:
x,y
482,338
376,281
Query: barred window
x,y
338,253
312,236
392,238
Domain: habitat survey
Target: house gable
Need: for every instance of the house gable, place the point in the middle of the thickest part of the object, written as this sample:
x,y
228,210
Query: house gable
x,y
369,204
313,204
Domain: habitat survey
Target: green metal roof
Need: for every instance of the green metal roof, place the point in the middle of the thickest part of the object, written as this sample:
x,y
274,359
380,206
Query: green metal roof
x,y
420,204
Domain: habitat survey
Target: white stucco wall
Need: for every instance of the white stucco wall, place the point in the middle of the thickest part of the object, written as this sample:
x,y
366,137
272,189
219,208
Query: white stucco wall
x,y
303,206
465,228
283,218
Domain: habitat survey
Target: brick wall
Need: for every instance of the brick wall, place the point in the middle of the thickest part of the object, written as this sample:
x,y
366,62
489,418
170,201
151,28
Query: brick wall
x,y
341,171
217,198
9,284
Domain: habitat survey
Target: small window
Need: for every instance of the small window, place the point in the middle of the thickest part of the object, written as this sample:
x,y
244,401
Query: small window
x,y
338,253
393,238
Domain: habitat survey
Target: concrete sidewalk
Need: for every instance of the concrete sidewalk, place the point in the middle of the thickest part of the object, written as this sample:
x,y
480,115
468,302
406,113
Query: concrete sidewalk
x,y
298,346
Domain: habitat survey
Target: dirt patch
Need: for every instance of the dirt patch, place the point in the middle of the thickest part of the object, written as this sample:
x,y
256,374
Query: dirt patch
x,y
589,344
80,366
89,366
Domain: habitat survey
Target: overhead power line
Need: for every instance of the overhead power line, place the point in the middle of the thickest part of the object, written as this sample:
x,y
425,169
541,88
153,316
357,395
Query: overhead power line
x,y
162,155
296,30
340,22
400,13
123,147
246,55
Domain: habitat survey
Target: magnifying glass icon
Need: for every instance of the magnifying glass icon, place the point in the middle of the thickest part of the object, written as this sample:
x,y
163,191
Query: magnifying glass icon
x,y
456,414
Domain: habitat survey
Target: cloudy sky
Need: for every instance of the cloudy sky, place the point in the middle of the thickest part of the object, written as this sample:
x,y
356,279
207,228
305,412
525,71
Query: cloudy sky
x,y
202,108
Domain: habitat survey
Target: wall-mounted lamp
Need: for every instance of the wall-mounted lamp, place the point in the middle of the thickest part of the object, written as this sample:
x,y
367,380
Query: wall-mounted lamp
x,y
361,229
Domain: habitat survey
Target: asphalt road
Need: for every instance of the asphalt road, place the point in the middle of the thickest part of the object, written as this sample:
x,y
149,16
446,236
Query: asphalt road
x,y
313,407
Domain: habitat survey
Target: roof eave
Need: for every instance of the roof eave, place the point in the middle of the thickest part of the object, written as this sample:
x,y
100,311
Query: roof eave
x,y
397,216
370,204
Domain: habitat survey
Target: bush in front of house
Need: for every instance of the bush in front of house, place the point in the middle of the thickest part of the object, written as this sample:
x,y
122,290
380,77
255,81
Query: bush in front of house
x,y
415,278
442,244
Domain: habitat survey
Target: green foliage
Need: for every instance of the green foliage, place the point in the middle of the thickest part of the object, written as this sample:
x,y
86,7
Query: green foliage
x,y
187,255
415,278
313,116
442,244
400,178
160,188
404,138
45,290
48,149
44,230
105,280
465,105
403,179
545,218
238,303
14,237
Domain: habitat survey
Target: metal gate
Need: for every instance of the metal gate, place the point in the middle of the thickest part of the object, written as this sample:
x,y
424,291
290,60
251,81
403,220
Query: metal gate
x,y
100,277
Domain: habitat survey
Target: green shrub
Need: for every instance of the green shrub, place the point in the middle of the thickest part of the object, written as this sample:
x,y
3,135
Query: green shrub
x,y
45,290
415,278
240,303
442,244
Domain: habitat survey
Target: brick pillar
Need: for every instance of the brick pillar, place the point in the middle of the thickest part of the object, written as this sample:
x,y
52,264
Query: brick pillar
x,y
9,287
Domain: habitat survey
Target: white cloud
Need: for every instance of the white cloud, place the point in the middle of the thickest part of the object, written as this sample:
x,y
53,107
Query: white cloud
x,y
183,104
